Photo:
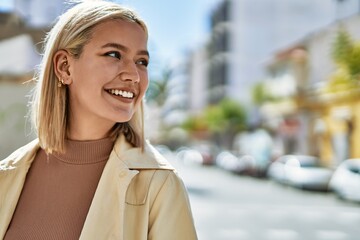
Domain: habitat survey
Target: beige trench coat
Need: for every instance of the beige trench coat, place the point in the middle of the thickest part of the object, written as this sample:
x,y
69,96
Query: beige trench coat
x,y
139,196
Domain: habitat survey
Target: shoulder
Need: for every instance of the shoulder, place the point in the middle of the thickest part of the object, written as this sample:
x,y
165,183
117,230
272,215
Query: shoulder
x,y
149,182
153,155
161,177
20,156
140,159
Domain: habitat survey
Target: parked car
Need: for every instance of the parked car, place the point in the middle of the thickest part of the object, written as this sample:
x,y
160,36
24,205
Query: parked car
x,y
276,170
300,171
208,152
345,181
255,149
189,156
230,162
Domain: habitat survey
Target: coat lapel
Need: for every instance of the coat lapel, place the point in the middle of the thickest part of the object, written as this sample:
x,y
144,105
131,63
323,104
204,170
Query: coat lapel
x,y
13,172
106,214
105,219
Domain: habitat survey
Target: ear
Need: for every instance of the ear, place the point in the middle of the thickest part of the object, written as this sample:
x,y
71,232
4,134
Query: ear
x,y
61,61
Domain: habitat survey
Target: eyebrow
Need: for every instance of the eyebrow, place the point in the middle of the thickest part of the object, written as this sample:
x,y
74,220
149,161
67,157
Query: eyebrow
x,y
125,49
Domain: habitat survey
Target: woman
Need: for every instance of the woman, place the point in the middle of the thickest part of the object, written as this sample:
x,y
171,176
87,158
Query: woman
x,y
90,174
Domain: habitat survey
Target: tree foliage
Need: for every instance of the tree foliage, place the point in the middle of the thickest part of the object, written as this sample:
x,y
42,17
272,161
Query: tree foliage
x,y
346,53
342,47
353,61
227,115
159,88
340,81
195,124
259,94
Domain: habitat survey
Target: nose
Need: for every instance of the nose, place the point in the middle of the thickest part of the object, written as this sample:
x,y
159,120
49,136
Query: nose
x,y
129,72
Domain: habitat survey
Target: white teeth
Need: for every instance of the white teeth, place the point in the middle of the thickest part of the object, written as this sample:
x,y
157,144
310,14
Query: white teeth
x,y
121,93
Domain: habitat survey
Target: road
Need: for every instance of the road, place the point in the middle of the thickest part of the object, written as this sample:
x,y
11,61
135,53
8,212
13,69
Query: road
x,y
232,207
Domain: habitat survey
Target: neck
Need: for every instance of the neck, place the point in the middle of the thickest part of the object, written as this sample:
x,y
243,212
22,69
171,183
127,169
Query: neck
x,y
85,131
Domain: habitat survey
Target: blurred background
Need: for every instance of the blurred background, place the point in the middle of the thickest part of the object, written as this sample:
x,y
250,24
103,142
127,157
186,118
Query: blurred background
x,y
255,102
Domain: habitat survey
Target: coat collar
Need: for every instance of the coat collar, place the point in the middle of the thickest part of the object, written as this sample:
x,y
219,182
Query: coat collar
x,y
132,158
135,158
123,164
21,157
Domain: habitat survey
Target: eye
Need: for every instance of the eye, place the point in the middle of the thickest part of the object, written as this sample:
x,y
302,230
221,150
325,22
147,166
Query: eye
x,y
143,62
113,54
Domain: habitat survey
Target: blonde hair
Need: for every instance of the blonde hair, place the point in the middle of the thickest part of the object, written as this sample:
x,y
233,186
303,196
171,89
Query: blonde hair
x,y
50,106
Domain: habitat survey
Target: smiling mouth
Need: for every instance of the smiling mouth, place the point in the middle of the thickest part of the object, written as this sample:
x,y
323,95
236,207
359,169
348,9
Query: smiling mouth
x,y
122,93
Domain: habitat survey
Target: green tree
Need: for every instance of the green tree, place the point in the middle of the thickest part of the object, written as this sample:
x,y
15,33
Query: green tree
x,y
341,80
195,124
342,47
353,61
225,120
222,121
259,95
159,88
346,55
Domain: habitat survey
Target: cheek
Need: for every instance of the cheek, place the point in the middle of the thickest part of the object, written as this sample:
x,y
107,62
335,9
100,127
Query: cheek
x,y
110,68
143,87
144,83
92,67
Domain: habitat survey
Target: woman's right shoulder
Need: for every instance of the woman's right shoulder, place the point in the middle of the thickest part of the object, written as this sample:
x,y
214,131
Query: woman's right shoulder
x,y
20,155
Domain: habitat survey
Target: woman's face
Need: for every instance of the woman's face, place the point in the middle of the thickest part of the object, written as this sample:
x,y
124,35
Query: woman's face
x,y
109,79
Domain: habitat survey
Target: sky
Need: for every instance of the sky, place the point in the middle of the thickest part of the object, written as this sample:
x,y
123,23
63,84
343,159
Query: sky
x,y
175,27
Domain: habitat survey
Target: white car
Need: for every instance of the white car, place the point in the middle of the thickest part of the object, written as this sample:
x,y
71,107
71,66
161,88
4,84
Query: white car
x,y
300,171
244,164
346,180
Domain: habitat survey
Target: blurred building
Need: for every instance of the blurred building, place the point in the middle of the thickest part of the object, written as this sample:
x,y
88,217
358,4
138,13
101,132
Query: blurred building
x,y
244,33
255,41
197,76
39,13
309,118
22,31
218,52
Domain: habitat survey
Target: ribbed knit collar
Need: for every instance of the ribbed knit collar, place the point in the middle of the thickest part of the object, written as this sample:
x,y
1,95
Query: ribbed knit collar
x,y
86,152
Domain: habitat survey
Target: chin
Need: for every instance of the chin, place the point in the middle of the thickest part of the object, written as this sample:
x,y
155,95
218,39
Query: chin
x,y
123,119
122,116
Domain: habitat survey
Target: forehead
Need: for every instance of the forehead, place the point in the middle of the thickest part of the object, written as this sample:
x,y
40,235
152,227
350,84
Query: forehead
x,y
119,31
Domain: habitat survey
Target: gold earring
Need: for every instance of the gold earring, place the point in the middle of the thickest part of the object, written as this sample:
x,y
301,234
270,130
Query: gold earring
x,y
60,82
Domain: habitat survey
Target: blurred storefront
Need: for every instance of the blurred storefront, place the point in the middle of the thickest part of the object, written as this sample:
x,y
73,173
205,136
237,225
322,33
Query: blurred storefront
x,y
335,123
320,122
280,111
336,127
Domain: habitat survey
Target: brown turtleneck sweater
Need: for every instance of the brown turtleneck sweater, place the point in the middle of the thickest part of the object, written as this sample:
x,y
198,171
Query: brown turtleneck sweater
x,y
58,191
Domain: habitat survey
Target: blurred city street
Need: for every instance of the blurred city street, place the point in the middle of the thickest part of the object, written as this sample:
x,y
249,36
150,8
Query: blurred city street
x,y
252,101
228,206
